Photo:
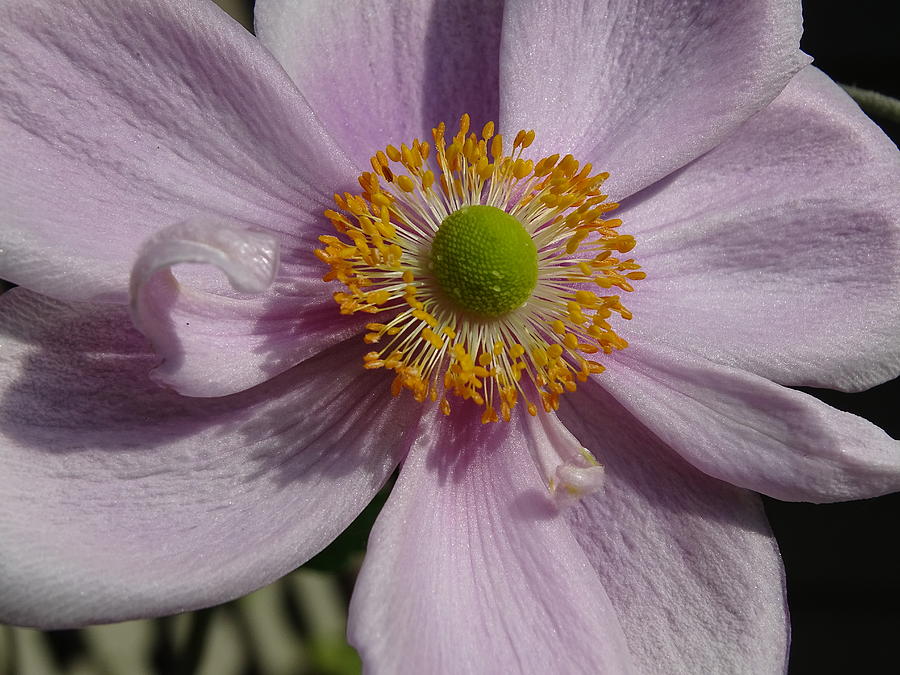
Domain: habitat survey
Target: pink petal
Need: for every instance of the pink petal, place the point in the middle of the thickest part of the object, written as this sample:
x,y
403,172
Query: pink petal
x,y
640,88
214,345
745,430
380,72
689,561
248,258
119,117
123,500
471,569
779,251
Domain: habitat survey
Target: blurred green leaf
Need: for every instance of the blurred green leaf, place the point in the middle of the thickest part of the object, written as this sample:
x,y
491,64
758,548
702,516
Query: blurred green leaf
x,y
334,657
875,105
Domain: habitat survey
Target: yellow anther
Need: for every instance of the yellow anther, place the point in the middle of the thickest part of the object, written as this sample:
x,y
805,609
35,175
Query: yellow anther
x,y
622,244
386,229
522,168
565,201
575,313
497,147
586,298
464,122
488,415
407,157
549,200
575,241
381,251
432,338
394,360
545,166
381,199
483,168
469,148
378,297
568,165
453,154
426,317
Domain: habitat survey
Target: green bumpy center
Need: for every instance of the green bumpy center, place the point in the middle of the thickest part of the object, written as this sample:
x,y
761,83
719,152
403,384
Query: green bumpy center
x,y
484,260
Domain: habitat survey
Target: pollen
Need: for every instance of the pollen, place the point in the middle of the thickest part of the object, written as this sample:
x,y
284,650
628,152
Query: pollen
x,y
496,278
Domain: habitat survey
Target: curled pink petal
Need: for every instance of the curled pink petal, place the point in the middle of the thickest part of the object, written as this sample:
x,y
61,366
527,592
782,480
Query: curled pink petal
x,y
249,259
215,343
191,364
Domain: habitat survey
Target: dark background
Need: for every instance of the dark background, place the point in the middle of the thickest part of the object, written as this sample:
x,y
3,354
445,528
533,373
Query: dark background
x,y
842,561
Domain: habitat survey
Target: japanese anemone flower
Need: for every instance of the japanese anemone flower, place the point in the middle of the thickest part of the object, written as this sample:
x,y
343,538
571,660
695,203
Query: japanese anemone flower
x,y
581,432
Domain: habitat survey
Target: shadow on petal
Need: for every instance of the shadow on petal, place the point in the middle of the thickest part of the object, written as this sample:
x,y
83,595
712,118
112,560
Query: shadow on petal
x,y
150,502
622,443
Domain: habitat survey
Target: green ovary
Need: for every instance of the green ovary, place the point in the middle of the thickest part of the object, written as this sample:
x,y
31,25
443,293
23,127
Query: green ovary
x,y
484,260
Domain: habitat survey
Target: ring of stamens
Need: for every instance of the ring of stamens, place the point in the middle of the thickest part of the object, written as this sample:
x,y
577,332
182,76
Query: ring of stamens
x,y
536,351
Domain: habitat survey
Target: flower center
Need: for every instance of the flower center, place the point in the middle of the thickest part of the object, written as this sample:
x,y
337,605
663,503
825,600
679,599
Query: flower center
x,y
492,275
484,260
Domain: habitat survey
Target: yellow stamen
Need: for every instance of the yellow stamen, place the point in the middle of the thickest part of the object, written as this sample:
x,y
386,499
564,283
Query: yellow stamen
x,y
535,352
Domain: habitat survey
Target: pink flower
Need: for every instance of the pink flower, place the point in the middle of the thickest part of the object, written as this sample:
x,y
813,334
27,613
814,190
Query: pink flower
x,y
764,206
